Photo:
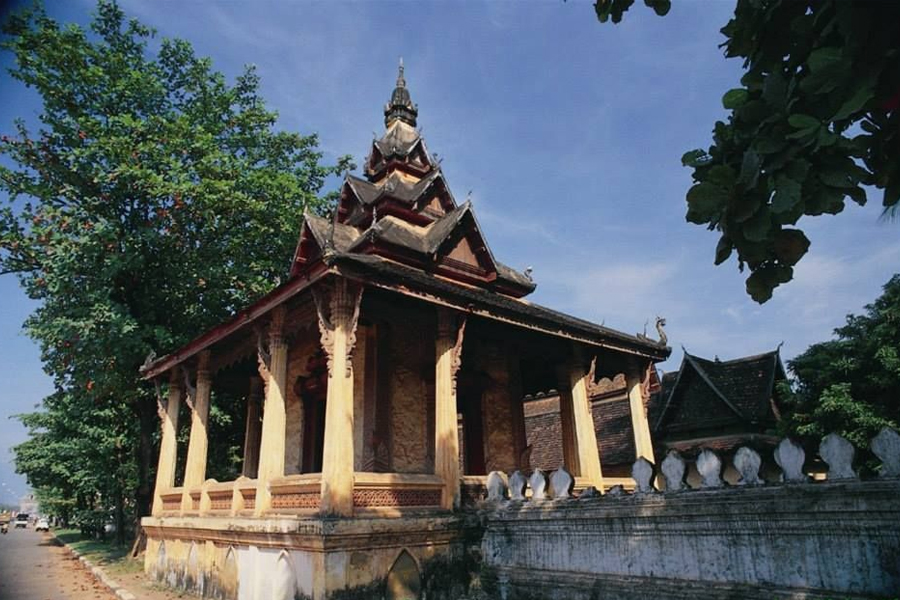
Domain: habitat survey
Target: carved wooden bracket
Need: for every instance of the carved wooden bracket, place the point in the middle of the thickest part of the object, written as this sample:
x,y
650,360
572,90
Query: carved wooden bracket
x,y
190,388
262,351
161,404
592,372
645,389
456,360
343,307
326,328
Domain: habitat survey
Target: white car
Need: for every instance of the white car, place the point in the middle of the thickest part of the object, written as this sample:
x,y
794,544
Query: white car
x,y
42,525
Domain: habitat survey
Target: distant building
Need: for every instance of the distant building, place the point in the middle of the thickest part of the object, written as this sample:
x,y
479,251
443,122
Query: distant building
x,y
28,504
720,405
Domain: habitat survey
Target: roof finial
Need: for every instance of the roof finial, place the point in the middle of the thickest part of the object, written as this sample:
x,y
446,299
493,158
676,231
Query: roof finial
x,y
401,106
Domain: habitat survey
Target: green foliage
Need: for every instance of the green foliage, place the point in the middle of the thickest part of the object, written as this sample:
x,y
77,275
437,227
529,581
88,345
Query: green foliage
x,y
817,118
614,9
850,385
153,200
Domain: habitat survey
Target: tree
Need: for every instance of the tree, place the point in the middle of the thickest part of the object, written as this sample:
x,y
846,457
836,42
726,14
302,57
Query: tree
x,y
850,385
153,200
815,121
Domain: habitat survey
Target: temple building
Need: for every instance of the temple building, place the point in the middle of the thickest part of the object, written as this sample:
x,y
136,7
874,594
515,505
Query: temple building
x,y
381,383
721,405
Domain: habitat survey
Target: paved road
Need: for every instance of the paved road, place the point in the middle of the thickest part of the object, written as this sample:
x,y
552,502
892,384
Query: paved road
x,y
33,567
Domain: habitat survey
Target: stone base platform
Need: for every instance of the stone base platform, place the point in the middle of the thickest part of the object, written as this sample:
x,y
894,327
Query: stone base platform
x,y
535,584
312,557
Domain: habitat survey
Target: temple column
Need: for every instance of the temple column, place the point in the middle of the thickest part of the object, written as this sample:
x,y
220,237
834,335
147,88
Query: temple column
x,y
582,422
338,339
195,465
448,354
253,429
643,444
273,367
567,422
168,445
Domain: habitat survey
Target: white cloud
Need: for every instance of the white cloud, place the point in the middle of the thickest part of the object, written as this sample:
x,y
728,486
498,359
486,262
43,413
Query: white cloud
x,y
623,296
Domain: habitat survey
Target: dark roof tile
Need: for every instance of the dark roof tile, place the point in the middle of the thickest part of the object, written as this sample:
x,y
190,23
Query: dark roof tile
x,y
705,394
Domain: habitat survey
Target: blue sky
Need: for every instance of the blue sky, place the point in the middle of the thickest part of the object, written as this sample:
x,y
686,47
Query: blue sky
x,y
568,133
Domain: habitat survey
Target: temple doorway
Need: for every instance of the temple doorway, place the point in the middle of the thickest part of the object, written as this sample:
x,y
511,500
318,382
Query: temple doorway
x,y
471,425
313,393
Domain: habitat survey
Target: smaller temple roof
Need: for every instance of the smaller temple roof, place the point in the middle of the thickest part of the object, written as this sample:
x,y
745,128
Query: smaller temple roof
x,y
395,187
398,140
425,240
707,392
327,232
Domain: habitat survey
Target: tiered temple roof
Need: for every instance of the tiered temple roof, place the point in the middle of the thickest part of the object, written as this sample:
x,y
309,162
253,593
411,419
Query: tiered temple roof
x,y
400,228
404,211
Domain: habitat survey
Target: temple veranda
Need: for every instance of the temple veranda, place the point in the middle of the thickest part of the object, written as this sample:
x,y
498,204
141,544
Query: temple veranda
x,y
381,383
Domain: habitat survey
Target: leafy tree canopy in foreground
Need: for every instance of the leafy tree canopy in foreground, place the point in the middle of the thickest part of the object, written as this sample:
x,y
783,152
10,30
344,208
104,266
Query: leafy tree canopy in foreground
x,y
816,119
153,199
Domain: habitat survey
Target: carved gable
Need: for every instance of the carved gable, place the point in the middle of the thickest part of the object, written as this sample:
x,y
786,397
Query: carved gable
x,y
308,249
462,252
467,253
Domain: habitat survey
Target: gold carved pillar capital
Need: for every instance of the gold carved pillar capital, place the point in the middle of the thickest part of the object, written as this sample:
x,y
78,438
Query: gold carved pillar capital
x,y
337,306
203,371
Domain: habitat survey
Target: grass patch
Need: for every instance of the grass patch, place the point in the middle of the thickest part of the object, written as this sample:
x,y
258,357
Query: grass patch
x,y
99,552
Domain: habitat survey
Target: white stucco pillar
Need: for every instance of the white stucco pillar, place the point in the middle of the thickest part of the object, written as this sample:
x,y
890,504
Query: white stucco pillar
x,y
195,465
339,338
448,354
643,444
272,441
168,445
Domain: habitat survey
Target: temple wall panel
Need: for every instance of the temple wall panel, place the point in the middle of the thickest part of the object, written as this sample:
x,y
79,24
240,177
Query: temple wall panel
x,y
301,349
412,366
497,410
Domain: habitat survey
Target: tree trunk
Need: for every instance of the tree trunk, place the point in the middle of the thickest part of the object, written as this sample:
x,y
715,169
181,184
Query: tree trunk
x,y
120,518
147,417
